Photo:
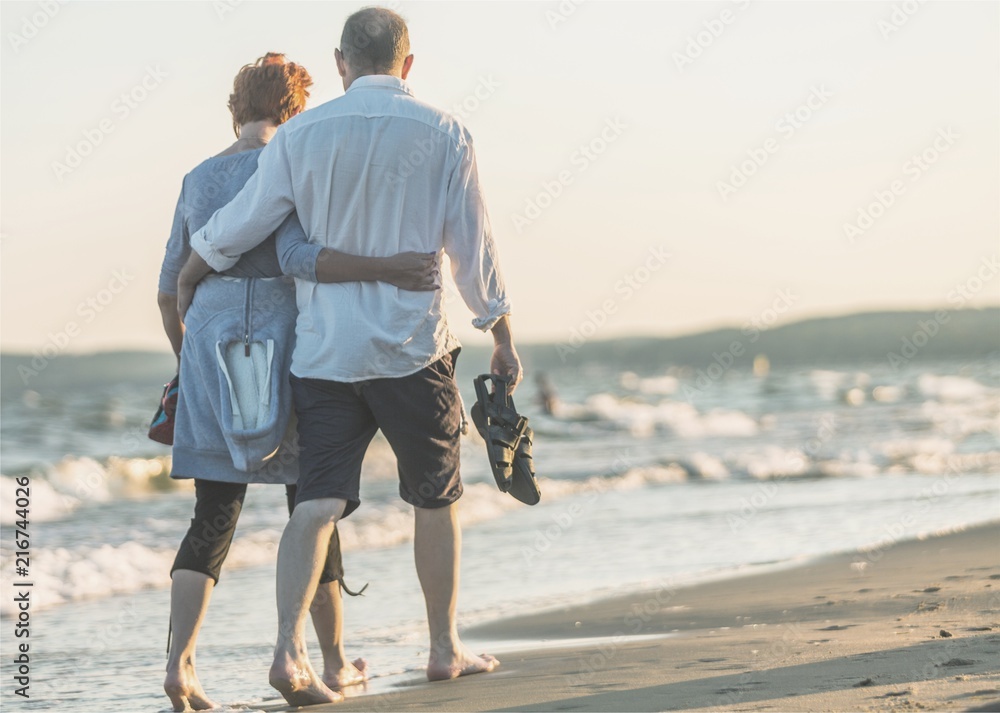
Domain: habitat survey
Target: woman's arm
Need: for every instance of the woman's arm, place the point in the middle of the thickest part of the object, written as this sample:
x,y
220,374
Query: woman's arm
x,y
166,298
193,272
299,258
417,272
171,321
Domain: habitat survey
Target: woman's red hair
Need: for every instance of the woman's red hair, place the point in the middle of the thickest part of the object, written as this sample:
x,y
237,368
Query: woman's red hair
x,y
270,89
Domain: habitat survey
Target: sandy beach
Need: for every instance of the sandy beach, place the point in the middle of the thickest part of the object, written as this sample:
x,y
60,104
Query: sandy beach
x,y
910,626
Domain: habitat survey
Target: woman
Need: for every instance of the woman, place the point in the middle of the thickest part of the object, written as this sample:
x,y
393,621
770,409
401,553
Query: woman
x,y
234,350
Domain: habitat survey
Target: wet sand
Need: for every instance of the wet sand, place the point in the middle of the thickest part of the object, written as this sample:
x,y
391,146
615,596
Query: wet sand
x,y
911,626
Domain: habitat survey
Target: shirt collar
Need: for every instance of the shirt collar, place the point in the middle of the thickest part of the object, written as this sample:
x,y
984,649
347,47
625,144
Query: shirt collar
x,y
380,81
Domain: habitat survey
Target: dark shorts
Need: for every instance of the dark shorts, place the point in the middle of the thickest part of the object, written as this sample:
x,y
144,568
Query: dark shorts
x,y
217,508
420,416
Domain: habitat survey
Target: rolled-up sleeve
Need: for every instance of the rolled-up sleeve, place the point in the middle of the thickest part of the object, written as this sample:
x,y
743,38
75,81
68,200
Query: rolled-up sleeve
x,y
469,244
178,249
296,254
256,211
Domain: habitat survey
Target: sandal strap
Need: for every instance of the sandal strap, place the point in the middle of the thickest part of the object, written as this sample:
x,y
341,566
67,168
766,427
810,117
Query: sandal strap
x,y
348,591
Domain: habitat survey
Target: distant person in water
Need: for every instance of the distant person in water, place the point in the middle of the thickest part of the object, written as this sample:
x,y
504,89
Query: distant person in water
x,y
547,397
237,339
369,357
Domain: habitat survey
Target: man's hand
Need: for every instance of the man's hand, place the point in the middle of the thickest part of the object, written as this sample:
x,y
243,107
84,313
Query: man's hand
x,y
417,272
505,361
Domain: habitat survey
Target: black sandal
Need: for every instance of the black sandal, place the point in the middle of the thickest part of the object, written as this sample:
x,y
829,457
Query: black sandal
x,y
524,485
508,439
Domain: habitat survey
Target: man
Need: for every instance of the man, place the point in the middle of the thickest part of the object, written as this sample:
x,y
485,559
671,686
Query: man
x,y
374,172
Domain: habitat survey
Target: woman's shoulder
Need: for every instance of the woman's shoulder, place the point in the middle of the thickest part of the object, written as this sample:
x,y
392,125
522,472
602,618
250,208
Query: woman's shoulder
x,y
224,163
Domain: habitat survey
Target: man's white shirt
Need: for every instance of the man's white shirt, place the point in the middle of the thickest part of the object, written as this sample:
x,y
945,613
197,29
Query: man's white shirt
x,y
374,172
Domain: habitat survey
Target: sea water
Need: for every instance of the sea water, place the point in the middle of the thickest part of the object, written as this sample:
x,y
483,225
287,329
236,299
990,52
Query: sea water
x,y
649,481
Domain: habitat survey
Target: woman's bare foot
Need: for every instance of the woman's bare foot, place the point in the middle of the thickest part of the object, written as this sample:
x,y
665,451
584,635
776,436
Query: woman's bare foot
x,y
298,683
184,690
345,674
446,665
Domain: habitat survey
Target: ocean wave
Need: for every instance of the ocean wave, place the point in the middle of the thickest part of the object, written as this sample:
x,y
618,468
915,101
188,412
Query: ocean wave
x,y
679,418
60,489
90,571
951,387
63,487
837,385
46,502
67,574
656,385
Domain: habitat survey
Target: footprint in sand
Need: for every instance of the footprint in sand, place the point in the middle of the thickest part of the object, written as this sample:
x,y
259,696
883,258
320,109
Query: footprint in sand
x,y
951,663
897,694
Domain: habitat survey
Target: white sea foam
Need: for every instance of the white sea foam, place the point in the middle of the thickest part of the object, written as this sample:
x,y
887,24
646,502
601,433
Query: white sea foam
x,y
708,467
951,388
680,418
903,448
82,572
46,502
957,419
61,574
771,461
75,481
839,385
656,385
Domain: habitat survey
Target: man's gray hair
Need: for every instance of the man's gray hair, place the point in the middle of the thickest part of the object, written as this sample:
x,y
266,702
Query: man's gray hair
x,y
375,39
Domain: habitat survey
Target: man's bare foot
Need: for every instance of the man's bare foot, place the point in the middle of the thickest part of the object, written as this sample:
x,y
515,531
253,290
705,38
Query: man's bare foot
x,y
346,674
443,666
298,683
184,690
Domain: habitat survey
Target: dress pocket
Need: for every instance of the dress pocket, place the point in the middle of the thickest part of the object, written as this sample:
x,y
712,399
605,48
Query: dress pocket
x,y
251,414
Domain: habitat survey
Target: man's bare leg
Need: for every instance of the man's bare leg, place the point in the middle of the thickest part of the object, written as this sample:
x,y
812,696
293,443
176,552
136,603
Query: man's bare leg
x,y
301,556
327,611
189,595
437,547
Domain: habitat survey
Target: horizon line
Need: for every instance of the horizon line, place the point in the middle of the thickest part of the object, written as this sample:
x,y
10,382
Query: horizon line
x,y
533,343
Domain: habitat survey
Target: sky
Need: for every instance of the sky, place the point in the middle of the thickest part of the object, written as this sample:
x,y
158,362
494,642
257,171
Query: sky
x,y
650,168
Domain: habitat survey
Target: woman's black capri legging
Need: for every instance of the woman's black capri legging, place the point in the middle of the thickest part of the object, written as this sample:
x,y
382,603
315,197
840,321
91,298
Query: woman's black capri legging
x,y
216,510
